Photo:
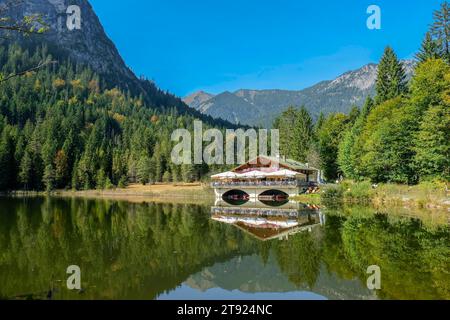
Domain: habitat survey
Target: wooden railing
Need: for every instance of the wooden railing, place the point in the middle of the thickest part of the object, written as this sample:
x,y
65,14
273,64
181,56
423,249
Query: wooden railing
x,y
265,184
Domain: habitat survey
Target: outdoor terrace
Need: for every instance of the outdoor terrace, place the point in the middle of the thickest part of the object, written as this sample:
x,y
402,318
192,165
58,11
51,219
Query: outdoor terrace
x,y
260,184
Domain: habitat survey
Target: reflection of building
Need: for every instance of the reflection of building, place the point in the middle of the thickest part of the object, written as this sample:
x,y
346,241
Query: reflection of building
x,y
266,178
266,222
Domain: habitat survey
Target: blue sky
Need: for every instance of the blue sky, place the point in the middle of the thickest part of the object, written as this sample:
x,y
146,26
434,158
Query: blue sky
x,y
218,45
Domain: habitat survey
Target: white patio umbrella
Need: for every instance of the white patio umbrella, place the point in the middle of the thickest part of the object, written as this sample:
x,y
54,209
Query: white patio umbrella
x,y
225,175
283,173
252,175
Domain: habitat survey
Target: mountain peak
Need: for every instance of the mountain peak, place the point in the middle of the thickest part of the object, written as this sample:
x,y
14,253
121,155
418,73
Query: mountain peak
x,y
195,99
263,106
361,79
90,45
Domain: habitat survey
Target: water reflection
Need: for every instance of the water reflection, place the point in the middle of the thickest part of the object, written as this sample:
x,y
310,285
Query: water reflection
x,y
155,251
268,220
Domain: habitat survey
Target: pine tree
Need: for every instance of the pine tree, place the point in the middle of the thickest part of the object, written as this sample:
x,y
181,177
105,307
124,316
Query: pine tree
x,y
296,133
7,162
391,81
75,179
25,174
100,180
440,29
429,49
167,177
187,172
143,172
285,123
320,121
304,131
61,167
49,178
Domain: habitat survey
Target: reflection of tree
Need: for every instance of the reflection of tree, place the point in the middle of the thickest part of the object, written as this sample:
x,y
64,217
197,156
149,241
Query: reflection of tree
x,y
299,258
333,250
139,251
124,250
264,251
414,261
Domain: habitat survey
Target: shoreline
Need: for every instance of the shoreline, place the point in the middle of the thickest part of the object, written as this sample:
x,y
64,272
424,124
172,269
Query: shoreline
x,y
427,196
191,192
416,197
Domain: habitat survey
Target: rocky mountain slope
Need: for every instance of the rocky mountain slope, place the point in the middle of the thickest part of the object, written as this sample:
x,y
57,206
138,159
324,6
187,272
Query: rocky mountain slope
x,y
197,98
89,46
261,107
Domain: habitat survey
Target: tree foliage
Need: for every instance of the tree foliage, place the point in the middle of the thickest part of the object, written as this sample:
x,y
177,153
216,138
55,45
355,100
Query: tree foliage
x,y
432,147
62,128
296,133
329,137
429,50
440,29
391,80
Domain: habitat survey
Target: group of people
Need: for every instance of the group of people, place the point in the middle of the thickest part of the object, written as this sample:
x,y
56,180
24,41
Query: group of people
x,y
312,190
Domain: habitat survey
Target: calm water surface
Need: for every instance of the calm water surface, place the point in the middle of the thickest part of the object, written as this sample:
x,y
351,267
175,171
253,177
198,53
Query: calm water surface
x,y
216,251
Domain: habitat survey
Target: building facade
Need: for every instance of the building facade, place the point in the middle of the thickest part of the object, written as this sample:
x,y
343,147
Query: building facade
x,y
266,178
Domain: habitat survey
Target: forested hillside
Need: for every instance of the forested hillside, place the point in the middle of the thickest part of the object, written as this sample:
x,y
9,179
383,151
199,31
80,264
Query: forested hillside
x,y
401,135
62,128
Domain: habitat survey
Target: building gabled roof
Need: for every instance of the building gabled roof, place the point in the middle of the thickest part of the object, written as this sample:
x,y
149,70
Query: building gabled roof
x,y
286,163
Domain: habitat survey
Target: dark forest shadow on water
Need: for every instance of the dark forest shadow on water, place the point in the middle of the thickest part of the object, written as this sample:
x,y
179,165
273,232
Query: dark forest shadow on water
x,y
147,251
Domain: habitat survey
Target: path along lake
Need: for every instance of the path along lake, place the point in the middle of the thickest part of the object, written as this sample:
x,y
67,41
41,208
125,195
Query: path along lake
x,y
150,250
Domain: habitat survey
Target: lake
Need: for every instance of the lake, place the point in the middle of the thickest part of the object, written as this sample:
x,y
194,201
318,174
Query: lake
x,y
217,251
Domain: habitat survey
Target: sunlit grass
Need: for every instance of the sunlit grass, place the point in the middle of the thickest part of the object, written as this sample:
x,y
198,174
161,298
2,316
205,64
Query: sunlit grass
x,y
426,195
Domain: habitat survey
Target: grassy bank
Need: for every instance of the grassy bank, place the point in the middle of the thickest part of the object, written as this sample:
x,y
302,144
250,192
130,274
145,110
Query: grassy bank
x,y
430,195
138,192
308,198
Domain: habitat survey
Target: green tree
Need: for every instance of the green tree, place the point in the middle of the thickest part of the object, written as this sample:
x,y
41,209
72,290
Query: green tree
x,y
187,173
61,168
7,161
304,132
319,122
143,170
433,144
100,180
440,29
75,181
428,84
391,80
349,156
26,171
388,141
166,177
49,178
285,124
296,133
329,138
429,49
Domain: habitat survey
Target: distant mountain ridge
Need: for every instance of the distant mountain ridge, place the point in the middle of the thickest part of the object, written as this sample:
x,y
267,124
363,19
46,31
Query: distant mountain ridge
x,y
261,107
197,99
249,274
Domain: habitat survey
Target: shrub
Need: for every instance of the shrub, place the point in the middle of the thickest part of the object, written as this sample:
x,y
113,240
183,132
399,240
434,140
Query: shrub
x,y
333,192
361,191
